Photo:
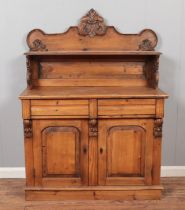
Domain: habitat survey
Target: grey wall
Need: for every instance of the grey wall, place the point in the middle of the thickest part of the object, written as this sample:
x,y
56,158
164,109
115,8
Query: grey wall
x,y
18,17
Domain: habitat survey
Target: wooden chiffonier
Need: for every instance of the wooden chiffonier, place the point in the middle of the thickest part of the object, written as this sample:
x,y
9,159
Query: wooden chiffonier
x,y
92,114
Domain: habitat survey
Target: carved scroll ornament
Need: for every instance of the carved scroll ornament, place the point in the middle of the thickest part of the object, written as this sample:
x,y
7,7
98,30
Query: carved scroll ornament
x,y
29,72
158,128
28,129
38,45
92,24
151,71
146,44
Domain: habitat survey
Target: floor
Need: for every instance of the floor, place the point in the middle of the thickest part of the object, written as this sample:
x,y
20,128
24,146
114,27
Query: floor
x,y
12,198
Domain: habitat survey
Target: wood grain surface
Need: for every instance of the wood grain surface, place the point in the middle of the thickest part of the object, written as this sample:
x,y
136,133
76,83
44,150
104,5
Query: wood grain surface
x,y
92,92
12,197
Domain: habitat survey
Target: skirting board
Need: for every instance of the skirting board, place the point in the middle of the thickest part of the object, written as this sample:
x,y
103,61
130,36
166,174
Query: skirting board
x,y
19,172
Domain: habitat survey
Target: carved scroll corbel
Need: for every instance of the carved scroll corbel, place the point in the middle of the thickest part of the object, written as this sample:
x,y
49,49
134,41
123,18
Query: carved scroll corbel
x,y
93,127
151,71
28,129
29,72
158,128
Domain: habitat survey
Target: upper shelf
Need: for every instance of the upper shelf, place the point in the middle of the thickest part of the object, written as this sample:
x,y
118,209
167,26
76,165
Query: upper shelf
x,y
85,52
92,37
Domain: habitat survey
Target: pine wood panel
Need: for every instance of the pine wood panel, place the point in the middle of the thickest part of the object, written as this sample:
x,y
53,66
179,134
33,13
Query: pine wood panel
x,y
160,108
59,107
156,171
29,160
124,151
125,142
60,110
116,102
90,72
85,69
26,111
72,40
173,198
97,195
128,82
127,110
61,147
93,146
58,102
101,52
92,113
92,92
87,36
61,116
60,152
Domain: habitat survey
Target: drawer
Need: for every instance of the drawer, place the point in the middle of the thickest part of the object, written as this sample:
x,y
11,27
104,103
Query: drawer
x,y
59,108
120,107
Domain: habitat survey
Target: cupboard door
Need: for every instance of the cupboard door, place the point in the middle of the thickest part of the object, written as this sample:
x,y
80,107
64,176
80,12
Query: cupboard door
x,y
125,152
60,152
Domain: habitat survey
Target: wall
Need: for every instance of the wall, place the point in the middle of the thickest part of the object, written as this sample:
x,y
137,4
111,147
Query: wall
x,y
18,17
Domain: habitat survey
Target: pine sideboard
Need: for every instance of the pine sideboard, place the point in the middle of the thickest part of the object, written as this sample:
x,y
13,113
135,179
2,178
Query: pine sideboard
x,y
92,114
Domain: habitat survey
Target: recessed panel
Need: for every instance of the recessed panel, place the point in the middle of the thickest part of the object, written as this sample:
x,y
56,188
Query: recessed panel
x,y
125,151
91,72
61,151
90,69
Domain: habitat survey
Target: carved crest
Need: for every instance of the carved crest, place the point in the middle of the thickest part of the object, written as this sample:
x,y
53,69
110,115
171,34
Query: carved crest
x,y
92,24
158,128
